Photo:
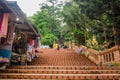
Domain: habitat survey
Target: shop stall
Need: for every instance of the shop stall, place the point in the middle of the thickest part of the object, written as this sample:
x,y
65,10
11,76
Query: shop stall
x,y
25,34
15,32
5,37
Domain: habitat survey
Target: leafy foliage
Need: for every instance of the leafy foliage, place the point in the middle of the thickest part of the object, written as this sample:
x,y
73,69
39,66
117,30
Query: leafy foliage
x,y
48,39
81,18
47,20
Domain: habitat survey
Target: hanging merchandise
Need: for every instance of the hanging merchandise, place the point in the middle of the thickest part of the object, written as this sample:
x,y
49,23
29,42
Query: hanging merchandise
x,y
3,40
5,51
10,34
36,42
22,43
4,25
19,49
30,41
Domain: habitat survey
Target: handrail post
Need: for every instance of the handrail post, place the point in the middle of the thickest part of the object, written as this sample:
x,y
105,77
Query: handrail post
x,y
119,52
100,58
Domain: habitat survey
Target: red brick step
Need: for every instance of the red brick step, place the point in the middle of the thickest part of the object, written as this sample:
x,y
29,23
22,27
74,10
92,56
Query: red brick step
x,y
59,76
49,71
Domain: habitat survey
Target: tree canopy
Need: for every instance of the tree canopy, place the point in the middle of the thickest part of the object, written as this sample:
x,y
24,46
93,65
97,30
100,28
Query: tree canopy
x,y
79,20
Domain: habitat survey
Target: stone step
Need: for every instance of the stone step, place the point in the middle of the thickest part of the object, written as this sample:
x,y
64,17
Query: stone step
x,y
63,57
25,79
60,76
48,71
68,67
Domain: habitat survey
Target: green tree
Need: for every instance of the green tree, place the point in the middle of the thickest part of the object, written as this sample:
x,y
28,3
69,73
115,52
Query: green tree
x,y
48,39
78,22
48,21
106,12
81,19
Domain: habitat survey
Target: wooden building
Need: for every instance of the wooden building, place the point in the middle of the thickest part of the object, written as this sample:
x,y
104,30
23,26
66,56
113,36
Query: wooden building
x,y
18,30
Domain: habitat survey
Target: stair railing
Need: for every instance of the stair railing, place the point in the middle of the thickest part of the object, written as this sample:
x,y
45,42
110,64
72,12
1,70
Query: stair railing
x,y
107,57
110,56
91,54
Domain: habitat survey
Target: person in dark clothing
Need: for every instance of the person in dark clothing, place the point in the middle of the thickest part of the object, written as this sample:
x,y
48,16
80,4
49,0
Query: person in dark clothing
x,y
65,47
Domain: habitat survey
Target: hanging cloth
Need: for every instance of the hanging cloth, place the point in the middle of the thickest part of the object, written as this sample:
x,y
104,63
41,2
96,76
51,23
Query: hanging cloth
x,y
36,43
30,41
10,34
4,26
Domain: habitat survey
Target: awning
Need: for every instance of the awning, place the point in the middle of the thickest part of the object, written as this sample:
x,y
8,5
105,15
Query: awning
x,y
22,22
4,7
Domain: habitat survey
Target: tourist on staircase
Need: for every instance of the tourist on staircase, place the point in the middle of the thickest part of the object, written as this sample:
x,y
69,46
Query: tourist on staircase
x,y
79,50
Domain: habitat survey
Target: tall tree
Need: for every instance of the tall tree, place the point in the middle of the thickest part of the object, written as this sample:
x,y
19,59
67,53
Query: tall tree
x,y
78,22
105,13
48,20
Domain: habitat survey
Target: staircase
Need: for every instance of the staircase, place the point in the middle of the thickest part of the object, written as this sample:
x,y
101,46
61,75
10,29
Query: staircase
x,y
61,65
61,72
